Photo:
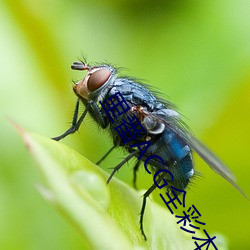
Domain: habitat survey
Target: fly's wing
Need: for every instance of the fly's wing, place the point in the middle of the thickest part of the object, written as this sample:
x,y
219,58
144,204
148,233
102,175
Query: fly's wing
x,y
212,160
174,123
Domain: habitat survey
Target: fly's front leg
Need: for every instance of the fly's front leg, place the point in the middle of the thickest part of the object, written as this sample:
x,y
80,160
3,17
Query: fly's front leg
x,y
75,123
100,118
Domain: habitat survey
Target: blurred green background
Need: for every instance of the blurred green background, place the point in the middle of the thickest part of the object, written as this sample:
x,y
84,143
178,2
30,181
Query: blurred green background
x,y
195,52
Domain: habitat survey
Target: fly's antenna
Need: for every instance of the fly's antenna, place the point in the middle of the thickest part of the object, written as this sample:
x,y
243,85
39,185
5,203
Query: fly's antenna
x,y
80,66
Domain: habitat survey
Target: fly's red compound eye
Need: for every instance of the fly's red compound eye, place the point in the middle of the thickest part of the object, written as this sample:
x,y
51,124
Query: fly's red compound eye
x,y
97,79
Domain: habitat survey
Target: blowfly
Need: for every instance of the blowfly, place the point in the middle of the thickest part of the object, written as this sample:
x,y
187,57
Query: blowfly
x,y
169,137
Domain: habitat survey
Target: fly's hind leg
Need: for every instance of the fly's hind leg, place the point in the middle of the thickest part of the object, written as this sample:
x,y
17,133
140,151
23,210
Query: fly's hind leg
x,y
144,201
136,167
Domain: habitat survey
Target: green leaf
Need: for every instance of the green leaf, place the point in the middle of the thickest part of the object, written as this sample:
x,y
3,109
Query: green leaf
x,y
106,215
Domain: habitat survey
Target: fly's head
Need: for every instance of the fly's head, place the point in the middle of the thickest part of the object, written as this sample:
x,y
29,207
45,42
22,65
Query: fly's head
x,y
96,79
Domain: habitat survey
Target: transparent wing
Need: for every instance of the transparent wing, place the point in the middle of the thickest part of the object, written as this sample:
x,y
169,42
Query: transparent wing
x,y
174,123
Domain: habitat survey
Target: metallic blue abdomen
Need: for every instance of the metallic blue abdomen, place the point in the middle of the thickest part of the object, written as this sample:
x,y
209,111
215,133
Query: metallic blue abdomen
x,y
177,157
175,153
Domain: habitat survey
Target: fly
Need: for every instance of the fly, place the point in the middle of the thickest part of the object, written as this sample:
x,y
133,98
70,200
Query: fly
x,y
170,139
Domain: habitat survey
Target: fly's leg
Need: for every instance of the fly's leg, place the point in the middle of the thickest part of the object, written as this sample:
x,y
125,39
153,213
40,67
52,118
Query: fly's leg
x,y
105,155
144,201
116,168
135,172
101,119
75,124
